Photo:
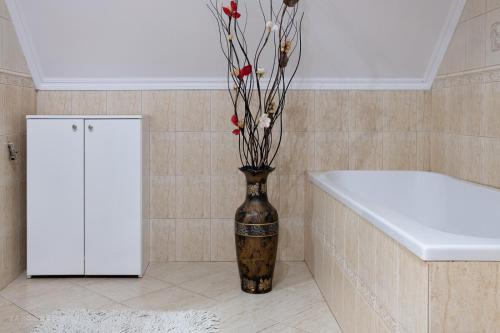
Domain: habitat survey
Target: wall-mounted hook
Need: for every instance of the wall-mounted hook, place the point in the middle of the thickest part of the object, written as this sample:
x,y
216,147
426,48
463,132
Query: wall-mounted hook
x,y
12,151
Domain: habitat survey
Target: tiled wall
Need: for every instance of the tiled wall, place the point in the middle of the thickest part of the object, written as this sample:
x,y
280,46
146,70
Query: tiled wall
x,y
195,184
11,55
17,99
370,282
466,98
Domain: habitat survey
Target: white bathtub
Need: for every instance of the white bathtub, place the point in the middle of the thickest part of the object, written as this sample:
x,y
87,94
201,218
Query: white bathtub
x,y
437,217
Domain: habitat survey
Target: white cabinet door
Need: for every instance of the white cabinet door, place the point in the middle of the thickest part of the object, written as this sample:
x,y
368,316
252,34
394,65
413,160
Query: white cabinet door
x,y
55,195
113,197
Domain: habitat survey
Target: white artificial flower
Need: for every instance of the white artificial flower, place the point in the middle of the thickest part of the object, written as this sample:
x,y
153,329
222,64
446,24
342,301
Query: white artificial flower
x,y
261,72
270,26
264,121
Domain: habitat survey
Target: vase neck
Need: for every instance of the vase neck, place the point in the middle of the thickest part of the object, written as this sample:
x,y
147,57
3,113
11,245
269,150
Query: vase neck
x,y
256,182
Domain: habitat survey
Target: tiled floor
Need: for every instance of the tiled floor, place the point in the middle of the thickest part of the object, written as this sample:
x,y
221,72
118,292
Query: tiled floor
x,y
295,305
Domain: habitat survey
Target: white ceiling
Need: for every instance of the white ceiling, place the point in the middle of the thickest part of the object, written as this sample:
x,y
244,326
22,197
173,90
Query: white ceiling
x,y
167,44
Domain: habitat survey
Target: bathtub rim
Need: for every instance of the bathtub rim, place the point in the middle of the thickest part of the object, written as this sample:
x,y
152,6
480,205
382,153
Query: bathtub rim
x,y
427,243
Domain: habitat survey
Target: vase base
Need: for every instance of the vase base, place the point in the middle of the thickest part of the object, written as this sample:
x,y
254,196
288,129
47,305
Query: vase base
x,y
257,286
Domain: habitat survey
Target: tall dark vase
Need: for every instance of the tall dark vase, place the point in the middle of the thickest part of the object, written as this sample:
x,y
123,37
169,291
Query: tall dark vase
x,y
256,229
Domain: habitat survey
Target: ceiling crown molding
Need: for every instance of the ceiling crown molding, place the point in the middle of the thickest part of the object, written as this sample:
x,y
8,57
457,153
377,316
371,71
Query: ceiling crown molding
x,y
42,82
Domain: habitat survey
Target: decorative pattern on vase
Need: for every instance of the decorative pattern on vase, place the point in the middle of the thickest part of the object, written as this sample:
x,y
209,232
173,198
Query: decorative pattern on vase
x,y
256,233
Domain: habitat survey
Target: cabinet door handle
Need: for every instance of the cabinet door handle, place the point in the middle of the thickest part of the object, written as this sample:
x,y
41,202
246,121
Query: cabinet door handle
x,y
74,127
91,128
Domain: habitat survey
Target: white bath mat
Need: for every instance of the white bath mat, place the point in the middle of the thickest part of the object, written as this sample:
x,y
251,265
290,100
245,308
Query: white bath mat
x,y
114,321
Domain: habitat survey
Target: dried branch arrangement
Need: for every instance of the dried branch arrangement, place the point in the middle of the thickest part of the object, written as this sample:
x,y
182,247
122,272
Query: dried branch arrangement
x,y
258,95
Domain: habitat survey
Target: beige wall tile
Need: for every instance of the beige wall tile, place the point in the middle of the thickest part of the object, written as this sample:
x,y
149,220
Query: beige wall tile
x,y
124,102
332,110
338,293
298,114
162,197
365,150
225,158
492,54
456,155
28,106
192,153
291,239
53,102
413,292
10,109
12,57
351,241
490,164
424,110
331,151
192,240
88,102
367,255
222,110
399,151
473,8
455,55
227,193
464,297
367,317
329,230
423,151
475,49
339,228
192,110
472,100
439,108
162,240
492,4
159,106
292,190
366,111
350,315
192,198
386,288
162,153
273,190
222,243
438,152
297,153
399,110
490,118
468,157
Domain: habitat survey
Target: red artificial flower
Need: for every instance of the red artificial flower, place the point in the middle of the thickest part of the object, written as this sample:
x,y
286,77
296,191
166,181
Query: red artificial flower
x,y
232,11
245,71
236,131
234,120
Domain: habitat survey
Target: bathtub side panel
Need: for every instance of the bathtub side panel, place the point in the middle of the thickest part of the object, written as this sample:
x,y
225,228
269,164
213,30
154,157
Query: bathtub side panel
x,y
370,283
464,296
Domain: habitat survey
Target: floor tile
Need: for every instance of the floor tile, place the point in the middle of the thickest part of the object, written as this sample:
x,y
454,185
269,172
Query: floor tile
x,y
171,299
120,289
317,319
14,319
23,288
181,272
220,286
66,297
280,328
